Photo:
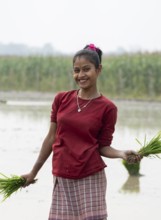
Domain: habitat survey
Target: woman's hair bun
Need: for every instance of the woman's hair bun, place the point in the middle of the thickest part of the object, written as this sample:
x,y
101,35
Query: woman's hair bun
x,y
92,47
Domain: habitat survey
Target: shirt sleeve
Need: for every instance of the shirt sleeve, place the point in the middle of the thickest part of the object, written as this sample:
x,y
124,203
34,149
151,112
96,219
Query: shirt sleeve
x,y
55,107
108,128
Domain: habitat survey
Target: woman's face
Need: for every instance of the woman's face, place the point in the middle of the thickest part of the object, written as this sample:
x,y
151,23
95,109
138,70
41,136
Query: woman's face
x,y
85,73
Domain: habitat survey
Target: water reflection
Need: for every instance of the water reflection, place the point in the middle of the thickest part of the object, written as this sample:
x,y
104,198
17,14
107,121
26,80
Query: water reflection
x,y
22,129
139,114
131,185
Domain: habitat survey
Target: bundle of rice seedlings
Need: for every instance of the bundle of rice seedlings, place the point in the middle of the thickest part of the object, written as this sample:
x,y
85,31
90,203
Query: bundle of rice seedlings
x,y
132,168
9,185
148,149
151,148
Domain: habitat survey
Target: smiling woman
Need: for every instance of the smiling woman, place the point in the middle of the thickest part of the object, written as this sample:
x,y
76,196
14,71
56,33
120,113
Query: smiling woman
x,y
81,131
86,69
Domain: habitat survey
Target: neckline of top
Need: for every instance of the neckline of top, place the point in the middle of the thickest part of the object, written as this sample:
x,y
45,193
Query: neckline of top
x,y
77,91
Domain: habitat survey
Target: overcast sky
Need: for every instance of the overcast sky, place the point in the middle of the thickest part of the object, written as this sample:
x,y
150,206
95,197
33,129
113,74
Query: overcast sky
x,y
71,24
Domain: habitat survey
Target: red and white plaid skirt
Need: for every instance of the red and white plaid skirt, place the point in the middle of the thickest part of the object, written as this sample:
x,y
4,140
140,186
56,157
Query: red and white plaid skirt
x,y
79,199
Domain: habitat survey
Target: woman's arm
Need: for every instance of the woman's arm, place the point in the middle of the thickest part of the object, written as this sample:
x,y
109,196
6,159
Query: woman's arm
x,y
45,152
111,152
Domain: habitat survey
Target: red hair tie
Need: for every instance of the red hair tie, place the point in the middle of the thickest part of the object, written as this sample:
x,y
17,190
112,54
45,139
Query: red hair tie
x,y
92,47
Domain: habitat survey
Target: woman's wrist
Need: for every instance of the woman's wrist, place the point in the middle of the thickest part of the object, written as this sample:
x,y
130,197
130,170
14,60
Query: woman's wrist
x,y
122,154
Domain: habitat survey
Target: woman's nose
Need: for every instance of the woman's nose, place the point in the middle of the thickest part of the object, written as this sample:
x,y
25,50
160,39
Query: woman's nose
x,y
81,73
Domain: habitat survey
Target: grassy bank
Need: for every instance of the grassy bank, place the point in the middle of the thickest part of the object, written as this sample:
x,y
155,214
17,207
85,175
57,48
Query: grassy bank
x,y
129,76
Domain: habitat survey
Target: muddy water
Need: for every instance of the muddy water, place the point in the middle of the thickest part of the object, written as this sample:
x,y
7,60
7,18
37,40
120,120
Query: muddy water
x,y
23,125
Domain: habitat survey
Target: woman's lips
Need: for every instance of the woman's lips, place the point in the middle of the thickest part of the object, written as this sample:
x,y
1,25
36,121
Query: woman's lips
x,y
82,80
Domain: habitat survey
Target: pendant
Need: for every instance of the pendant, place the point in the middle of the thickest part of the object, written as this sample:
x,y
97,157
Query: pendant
x,y
79,110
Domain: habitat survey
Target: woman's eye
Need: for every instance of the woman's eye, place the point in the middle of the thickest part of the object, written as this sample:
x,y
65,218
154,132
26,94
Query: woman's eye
x,y
76,70
86,69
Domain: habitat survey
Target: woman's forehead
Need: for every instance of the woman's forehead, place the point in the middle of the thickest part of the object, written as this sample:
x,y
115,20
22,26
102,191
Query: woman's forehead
x,y
82,61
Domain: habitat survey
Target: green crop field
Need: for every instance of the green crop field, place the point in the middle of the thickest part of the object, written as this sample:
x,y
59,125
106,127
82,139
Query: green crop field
x,y
128,76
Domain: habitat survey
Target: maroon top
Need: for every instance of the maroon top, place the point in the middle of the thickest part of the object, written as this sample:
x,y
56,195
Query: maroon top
x,y
80,134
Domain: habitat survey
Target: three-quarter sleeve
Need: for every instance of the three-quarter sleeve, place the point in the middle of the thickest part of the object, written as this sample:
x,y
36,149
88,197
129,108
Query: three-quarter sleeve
x,y
108,128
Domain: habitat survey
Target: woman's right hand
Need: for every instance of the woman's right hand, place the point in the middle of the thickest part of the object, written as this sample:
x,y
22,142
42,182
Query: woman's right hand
x,y
30,179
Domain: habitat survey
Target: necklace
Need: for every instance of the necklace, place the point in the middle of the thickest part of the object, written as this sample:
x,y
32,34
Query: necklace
x,y
79,107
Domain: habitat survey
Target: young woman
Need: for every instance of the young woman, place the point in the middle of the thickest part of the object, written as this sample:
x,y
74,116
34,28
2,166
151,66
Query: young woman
x,y
81,131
